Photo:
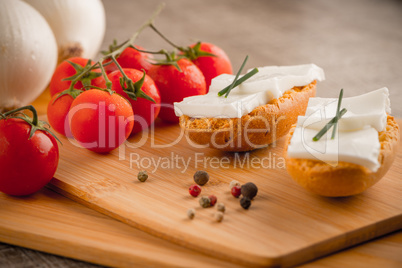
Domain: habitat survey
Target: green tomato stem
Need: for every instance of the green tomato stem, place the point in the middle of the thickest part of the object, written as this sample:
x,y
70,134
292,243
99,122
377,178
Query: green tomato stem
x,y
165,38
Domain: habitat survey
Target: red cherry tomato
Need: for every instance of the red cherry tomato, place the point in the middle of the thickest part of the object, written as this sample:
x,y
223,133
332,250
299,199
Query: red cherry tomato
x,y
174,85
212,66
57,111
26,164
100,121
64,70
145,111
131,58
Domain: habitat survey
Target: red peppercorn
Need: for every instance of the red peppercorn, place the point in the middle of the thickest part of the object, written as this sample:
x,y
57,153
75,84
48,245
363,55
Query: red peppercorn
x,y
194,190
213,200
236,191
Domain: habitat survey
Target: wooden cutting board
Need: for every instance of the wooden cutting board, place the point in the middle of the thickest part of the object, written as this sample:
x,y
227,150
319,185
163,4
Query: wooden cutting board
x,y
49,222
284,226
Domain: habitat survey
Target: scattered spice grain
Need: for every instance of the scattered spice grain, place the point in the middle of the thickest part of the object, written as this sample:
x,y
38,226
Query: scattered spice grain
x,y
205,202
142,176
191,213
220,207
194,190
233,184
245,202
212,199
236,191
218,216
201,177
249,190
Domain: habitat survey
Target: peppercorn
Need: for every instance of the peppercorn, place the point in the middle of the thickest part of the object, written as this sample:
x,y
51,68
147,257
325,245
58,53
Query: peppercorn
x,y
142,176
220,207
201,177
218,216
194,190
212,199
249,190
191,213
205,202
233,184
245,202
236,191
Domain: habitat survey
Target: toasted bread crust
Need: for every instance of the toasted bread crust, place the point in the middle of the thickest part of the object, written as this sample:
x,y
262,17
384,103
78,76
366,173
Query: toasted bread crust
x,y
262,126
345,179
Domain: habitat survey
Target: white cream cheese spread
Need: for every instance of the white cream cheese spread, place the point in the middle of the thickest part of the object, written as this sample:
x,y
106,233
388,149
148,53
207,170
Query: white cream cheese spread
x,y
356,140
269,83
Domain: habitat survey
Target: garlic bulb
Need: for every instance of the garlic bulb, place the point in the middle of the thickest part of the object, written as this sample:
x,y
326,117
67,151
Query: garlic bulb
x,y
28,54
78,25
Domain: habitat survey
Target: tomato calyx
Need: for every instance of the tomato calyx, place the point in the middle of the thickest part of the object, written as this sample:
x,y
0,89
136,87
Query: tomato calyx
x,y
82,74
171,59
193,53
33,121
133,90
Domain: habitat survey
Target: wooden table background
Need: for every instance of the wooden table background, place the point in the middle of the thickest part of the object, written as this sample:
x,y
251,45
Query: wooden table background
x,y
358,43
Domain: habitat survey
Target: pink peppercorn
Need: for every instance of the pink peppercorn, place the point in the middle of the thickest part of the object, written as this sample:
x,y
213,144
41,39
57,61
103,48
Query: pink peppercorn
x,y
213,200
194,190
236,191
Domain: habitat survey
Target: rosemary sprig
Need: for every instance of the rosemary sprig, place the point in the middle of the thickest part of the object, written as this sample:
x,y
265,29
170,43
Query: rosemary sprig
x,y
237,81
333,122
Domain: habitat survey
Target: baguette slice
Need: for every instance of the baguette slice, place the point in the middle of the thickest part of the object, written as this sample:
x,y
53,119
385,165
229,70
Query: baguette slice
x,y
345,179
261,127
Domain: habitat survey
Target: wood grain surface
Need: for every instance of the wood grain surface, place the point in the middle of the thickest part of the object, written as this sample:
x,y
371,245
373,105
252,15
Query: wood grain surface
x,y
358,43
49,222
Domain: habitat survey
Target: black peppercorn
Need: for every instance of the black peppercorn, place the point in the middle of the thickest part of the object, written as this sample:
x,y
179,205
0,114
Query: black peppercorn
x,y
201,177
249,190
245,202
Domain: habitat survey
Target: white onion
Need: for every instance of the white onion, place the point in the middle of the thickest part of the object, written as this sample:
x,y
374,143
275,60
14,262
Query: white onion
x,y
78,25
28,54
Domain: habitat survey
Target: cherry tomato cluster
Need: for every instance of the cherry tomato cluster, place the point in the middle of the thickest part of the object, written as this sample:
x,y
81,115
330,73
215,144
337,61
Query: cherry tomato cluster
x,y
102,120
101,104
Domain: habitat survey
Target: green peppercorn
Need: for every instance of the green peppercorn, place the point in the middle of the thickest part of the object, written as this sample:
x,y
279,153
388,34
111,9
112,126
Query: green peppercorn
x,y
245,202
205,202
249,190
142,176
201,177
